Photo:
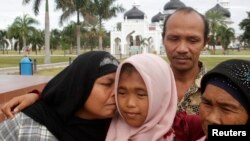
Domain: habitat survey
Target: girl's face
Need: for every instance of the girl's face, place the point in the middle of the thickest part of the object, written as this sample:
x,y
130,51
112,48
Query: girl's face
x,y
101,102
132,98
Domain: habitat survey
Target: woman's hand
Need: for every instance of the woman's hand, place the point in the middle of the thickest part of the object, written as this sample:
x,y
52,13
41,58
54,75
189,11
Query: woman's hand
x,y
18,103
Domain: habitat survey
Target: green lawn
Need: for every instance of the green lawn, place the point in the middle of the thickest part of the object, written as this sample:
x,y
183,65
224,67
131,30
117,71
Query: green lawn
x,y
233,52
210,62
14,59
49,72
54,52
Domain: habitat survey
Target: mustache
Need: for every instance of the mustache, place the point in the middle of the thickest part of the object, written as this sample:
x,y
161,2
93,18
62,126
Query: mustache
x,y
181,57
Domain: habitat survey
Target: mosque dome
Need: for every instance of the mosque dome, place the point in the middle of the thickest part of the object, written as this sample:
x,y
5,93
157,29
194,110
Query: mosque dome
x,y
174,4
158,17
225,12
134,13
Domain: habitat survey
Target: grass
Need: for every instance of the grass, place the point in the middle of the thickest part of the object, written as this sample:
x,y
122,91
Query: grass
x,y
210,62
13,59
233,52
54,52
49,72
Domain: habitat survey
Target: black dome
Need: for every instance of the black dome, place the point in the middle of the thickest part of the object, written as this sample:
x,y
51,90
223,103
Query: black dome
x,y
173,4
134,13
158,17
220,9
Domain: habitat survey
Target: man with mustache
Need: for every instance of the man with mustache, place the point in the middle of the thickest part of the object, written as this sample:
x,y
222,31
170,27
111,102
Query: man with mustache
x,y
185,33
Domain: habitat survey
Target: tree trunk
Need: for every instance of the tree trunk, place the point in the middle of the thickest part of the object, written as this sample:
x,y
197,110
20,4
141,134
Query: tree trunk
x,y
36,50
213,52
78,34
71,48
47,35
223,50
100,43
24,46
100,34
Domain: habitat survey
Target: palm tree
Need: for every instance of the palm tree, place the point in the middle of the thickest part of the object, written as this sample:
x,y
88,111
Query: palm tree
x,y
68,35
92,36
69,8
104,10
106,39
36,40
55,38
90,31
36,6
23,27
13,33
245,25
215,19
119,26
3,41
225,36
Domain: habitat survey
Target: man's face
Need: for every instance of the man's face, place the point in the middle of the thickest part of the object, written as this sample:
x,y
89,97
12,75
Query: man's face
x,y
184,40
132,98
219,108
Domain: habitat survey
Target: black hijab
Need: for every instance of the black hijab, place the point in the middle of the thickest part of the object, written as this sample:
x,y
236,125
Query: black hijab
x,y
67,92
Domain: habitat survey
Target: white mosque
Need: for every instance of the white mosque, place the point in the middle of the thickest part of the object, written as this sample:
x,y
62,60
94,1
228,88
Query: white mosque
x,y
136,35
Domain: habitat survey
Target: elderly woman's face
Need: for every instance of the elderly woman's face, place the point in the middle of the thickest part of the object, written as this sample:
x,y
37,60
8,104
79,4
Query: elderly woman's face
x,y
101,102
219,107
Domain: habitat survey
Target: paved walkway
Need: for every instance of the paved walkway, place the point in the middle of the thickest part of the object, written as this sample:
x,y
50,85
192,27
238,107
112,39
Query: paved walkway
x,y
15,70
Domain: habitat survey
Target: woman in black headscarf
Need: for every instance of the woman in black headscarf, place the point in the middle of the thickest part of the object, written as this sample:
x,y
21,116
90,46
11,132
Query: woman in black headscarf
x,y
226,95
76,104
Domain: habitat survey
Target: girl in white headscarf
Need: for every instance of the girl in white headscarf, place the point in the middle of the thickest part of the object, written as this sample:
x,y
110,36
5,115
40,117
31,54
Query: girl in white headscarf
x,y
146,98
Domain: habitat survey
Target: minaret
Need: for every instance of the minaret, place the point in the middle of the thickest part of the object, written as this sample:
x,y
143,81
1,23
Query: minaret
x,y
224,3
136,4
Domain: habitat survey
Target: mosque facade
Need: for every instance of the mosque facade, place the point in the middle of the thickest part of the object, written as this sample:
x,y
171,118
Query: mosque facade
x,y
136,35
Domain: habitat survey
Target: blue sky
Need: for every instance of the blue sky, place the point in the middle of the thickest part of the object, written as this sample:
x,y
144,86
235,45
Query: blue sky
x,y
10,9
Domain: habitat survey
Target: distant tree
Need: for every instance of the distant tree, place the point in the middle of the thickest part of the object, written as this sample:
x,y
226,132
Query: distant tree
x,y
91,32
106,39
36,6
68,35
245,25
36,40
3,40
119,26
22,27
55,39
92,36
215,19
225,36
104,10
69,8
